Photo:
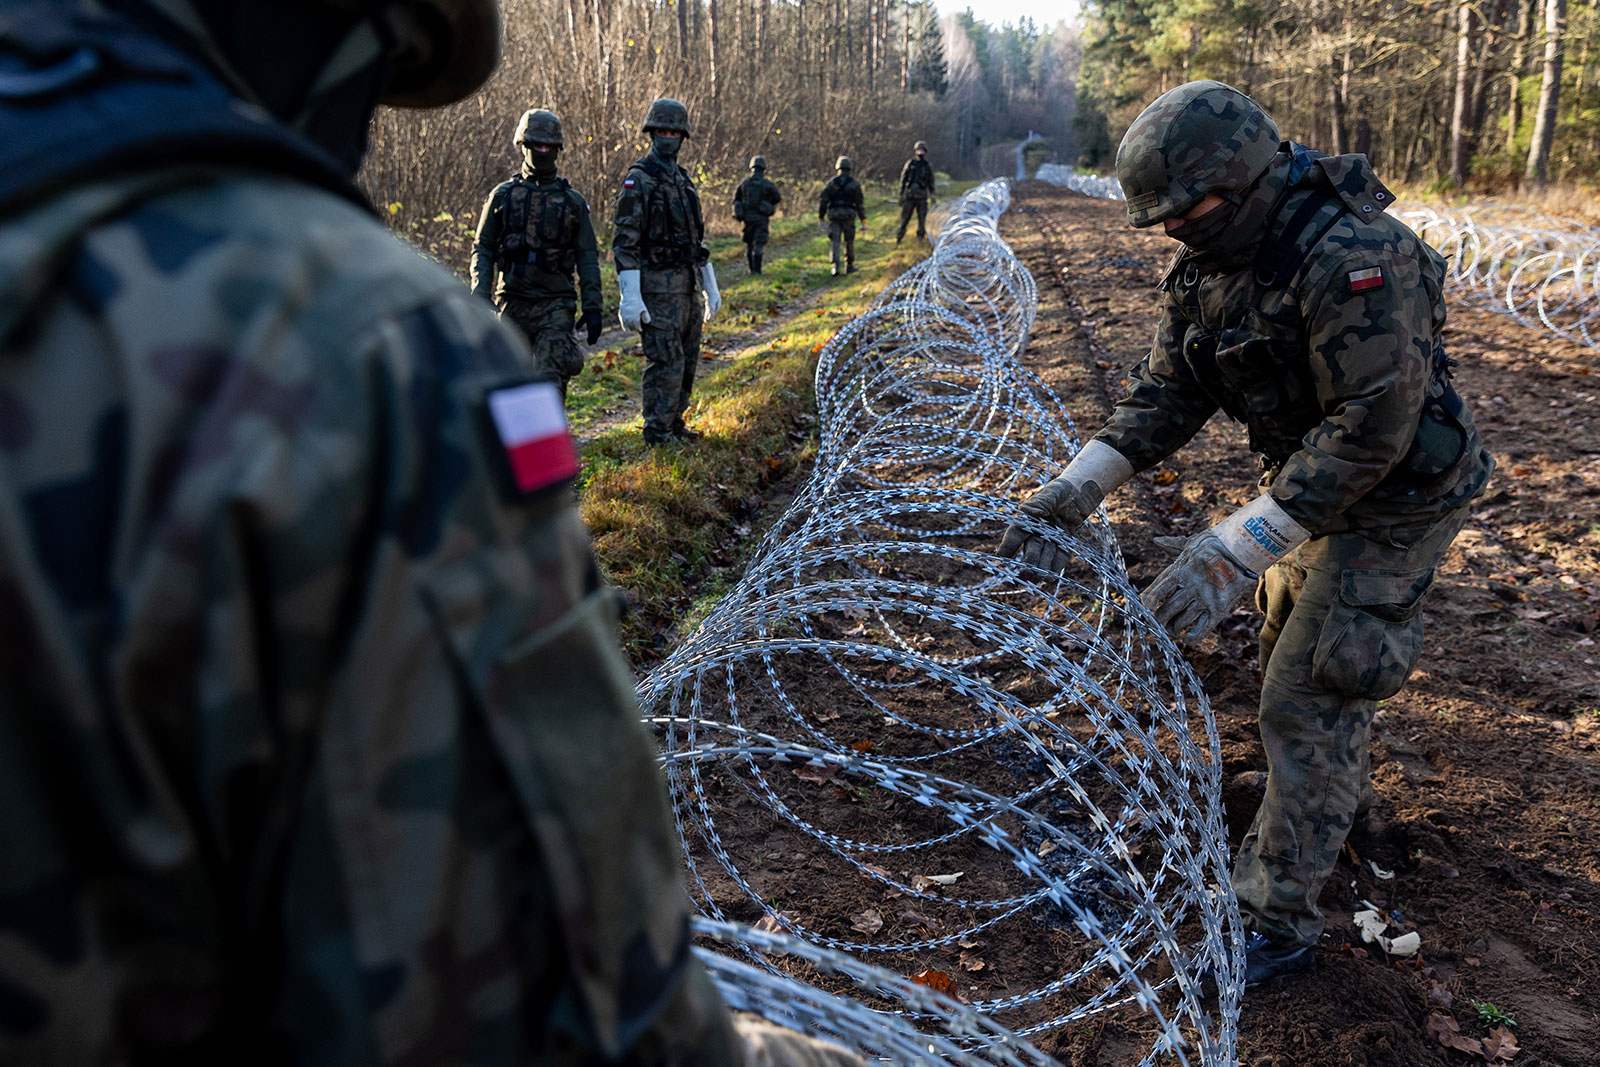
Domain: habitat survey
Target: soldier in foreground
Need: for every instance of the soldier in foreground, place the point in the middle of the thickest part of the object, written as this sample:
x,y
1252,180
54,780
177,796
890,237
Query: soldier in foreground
x,y
916,188
317,745
533,234
658,246
840,205
754,203
1299,308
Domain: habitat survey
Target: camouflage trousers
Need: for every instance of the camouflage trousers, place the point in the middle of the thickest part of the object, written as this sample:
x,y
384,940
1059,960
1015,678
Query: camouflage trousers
x,y
755,244
1343,630
842,230
548,325
671,349
907,206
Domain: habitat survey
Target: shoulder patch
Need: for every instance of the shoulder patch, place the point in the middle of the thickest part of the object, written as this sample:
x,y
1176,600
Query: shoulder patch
x,y
530,430
628,183
1366,278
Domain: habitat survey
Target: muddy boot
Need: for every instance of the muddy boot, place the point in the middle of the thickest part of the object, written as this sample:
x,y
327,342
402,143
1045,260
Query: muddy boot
x,y
850,268
755,262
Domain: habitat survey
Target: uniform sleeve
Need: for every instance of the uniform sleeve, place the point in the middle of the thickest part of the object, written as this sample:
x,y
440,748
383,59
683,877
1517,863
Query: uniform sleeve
x,y
488,841
822,200
588,258
905,177
484,245
860,200
1165,405
627,222
1370,353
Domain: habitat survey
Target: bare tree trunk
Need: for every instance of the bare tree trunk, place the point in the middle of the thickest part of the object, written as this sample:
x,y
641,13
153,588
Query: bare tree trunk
x,y
683,30
711,28
1519,65
1460,149
1544,123
905,46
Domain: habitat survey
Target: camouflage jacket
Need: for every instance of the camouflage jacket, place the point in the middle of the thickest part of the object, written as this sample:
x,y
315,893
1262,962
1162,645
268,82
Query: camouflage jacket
x,y
843,195
557,240
916,179
760,199
658,229
315,743
1332,358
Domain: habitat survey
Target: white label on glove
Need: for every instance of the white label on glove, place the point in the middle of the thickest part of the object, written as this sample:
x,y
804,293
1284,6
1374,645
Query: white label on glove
x,y
1260,533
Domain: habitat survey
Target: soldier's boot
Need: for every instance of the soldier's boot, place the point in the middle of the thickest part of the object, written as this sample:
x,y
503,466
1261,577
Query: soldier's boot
x,y
756,257
1265,959
850,265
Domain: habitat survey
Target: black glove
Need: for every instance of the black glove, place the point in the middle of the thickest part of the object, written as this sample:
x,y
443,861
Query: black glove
x,y
590,320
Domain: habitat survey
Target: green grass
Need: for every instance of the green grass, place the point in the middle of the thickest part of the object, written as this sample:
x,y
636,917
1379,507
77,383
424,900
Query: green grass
x,y
1489,1015
671,524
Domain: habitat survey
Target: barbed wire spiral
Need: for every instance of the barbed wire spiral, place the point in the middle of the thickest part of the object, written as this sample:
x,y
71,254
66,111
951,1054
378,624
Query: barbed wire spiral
x,y
1542,271
888,743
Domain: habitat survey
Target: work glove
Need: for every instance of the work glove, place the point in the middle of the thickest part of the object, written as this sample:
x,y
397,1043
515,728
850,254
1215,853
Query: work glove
x,y
590,321
770,1045
631,309
1218,568
708,282
1067,502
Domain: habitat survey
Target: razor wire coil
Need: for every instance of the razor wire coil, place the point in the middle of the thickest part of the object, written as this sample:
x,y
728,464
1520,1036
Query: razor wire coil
x,y
964,756
1542,271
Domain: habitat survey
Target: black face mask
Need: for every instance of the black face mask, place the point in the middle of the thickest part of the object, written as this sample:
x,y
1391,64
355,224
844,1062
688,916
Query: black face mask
x,y
1200,233
666,145
541,163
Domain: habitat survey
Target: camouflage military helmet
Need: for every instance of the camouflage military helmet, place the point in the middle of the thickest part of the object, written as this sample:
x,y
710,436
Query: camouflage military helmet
x,y
454,44
539,126
758,162
667,114
920,146
1202,137
843,164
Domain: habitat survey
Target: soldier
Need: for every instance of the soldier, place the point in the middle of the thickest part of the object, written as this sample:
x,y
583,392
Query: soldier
x,y
916,187
315,742
841,203
1301,309
533,233
661,260
754,203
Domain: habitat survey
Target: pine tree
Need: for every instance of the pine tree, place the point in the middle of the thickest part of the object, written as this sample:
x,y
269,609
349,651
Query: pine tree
x,y
929,72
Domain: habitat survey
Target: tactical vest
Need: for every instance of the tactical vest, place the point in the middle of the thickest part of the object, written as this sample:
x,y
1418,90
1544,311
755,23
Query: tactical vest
x,y
673,230
541,228
836,197
919,180
755,201
84,94
1255,367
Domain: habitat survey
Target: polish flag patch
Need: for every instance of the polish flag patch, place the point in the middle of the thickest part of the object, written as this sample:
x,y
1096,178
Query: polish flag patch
x,y
1368,278
532,427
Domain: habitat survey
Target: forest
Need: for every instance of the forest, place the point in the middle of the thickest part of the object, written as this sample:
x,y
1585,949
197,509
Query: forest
x,y
1444,93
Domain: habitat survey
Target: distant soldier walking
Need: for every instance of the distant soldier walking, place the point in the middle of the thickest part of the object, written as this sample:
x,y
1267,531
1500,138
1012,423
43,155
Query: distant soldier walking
x,y
754,202
657,244
533,234
916,187
841,203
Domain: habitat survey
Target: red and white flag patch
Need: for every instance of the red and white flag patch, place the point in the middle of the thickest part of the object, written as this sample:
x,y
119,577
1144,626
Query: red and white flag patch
x,y
532,426
1367,278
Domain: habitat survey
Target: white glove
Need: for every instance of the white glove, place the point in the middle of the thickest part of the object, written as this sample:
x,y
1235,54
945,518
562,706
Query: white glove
x,y
631,310
1217,568
1067,502
708,282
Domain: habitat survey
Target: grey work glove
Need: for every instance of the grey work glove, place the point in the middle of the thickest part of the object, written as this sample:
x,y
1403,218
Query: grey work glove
x,y
1218,568
1066,502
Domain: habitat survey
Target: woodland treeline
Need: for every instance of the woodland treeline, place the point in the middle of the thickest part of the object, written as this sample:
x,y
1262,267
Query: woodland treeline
x,y
798,81
1485,94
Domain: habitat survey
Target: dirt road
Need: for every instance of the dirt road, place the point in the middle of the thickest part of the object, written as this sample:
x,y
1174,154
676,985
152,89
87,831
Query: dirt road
x,y
1488,764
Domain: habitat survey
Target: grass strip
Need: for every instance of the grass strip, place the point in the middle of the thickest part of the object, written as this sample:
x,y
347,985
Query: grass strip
x,y
673,525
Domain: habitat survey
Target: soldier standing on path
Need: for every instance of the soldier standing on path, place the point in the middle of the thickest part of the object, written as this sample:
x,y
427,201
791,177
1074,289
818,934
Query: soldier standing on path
x,y
657,244
916,188
841,203
754,203
316,745
534,232
1301,309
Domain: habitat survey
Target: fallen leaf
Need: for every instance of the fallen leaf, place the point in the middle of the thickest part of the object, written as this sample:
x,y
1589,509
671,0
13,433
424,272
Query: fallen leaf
x,y
920,882
1444,1029
868,922
970,943
1438,994
1165,477
918,919
938,981
1501,1044
862,747
971,963
816,773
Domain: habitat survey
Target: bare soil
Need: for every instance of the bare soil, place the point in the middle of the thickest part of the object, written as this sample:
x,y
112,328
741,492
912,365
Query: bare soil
x,y
1487,765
